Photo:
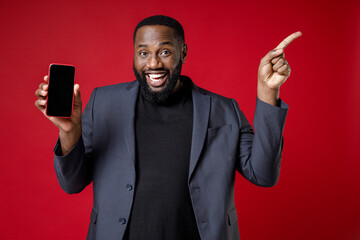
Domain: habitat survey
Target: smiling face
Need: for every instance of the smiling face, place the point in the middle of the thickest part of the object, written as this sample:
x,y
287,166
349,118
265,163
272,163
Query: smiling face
x,y
158,56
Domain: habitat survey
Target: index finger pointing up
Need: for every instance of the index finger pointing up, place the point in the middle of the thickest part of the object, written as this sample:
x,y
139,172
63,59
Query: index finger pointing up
x,y
288,40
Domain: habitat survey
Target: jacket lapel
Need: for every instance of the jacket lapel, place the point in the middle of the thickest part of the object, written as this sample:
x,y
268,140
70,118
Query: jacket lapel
x,y
130,98
201,103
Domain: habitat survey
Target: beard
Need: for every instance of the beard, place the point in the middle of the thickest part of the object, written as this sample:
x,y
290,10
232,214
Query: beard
x,y
162,95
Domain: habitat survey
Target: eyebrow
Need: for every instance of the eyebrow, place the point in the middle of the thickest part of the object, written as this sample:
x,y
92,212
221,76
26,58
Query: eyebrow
x,y
166,43
162,43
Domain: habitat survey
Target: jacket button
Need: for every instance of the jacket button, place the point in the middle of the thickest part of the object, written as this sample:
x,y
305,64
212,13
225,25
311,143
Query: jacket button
x,y
122,220
129,187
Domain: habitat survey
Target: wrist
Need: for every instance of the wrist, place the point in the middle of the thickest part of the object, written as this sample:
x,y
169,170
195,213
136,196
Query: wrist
x,y
268,95
68,139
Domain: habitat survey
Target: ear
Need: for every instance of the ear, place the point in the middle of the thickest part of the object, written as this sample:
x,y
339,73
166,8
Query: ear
x,y
184,53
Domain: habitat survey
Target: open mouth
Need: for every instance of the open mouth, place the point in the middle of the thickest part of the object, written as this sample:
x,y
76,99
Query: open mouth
x,y
156,80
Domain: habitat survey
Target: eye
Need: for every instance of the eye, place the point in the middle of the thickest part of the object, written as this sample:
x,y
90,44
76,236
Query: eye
x,y
142,53
165,53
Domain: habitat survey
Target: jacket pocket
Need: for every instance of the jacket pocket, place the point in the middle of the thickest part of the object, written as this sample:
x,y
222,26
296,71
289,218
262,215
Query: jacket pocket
x,y
93,216
232,216
216,130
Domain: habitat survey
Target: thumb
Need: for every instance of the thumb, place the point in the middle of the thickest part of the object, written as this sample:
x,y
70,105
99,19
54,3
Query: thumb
x,y
77,90
77,98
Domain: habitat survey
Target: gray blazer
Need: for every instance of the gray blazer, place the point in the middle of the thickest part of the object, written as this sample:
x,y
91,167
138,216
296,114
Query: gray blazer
x,y
222,141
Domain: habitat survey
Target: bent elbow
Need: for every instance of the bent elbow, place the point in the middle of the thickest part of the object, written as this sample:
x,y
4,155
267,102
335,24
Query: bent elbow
x,y
71,188
265,181
269,183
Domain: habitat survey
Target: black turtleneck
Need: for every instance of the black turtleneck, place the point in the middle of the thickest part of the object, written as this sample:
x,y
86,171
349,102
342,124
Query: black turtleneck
x,y
162,206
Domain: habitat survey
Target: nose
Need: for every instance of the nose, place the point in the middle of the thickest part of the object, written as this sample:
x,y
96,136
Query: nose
x,y
154,62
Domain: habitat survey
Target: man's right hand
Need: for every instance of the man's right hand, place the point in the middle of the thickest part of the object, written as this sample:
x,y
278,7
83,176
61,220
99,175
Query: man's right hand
x,y
70,128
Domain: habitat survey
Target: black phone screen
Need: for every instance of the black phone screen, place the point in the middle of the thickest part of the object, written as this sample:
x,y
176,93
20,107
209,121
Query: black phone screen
x,y
61,90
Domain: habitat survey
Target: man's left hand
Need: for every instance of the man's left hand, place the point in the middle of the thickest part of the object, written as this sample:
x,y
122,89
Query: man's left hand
x,y
273,71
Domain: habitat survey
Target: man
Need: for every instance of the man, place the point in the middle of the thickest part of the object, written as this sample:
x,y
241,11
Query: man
x,y
161,152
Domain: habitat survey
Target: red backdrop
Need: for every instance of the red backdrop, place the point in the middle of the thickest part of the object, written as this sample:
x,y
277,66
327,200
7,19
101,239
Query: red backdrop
x,y
317,196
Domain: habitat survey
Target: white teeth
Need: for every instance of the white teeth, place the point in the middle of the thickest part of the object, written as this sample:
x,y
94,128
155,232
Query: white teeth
x,y
155,80
154,77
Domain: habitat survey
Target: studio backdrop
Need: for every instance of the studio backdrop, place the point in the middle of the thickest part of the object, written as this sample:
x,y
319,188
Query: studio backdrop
x,y
317,196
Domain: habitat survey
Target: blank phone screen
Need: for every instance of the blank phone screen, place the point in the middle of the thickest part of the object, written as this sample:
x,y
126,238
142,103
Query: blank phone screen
x,y
61,90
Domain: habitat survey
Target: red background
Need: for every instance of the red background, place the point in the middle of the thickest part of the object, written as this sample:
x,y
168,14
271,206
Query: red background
x,y
317,196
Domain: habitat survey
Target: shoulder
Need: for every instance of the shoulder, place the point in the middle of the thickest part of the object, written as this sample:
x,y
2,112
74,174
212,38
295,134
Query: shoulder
x,y
116,93
215,98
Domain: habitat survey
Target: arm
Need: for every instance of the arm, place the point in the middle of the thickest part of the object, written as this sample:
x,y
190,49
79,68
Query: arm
x,y
260,153
71,169
74,170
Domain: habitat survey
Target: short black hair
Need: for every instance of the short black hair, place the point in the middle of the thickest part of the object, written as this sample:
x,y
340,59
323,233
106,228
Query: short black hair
x,y
165,21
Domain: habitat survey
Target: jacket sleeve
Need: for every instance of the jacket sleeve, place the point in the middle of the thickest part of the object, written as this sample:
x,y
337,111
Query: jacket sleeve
x,y
74,170
260,152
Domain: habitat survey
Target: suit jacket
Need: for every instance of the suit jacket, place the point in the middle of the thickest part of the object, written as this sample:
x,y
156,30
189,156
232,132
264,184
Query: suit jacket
x,y
222,142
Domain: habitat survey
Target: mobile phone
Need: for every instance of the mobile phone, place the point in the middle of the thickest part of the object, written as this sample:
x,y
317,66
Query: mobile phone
x,y
61,90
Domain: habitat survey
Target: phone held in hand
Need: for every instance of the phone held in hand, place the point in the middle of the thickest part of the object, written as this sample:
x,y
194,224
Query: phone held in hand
x,y
61,90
